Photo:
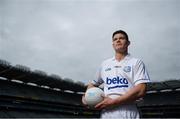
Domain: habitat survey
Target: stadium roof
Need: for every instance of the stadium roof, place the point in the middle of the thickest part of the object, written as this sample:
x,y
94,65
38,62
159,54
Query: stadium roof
x,y
24,74
164,85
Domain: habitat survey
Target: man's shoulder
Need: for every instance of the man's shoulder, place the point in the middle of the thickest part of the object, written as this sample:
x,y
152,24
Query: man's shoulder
x,y
108,60
134,59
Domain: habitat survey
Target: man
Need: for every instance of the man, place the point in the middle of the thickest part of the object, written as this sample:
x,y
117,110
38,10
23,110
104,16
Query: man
x,y
124,79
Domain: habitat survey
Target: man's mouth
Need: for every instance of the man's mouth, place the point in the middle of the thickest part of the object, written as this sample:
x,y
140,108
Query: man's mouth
x,y
118,45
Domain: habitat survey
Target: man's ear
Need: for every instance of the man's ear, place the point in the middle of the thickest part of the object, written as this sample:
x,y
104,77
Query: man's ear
x,y
113,44
129,42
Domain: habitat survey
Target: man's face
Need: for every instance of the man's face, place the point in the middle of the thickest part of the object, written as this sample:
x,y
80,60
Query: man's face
x,y
120,43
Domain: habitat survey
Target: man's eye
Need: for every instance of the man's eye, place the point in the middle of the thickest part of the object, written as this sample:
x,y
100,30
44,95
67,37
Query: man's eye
x,y
114,39
123,38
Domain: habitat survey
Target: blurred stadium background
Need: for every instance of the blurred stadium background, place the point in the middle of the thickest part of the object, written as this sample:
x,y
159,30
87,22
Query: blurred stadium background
x,y
26,93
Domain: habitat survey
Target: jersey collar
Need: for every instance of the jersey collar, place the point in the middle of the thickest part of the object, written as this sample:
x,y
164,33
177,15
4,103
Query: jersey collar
x,y
127,57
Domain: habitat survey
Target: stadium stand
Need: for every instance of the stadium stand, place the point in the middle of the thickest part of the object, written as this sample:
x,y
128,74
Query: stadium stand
x,y
162,100
26,93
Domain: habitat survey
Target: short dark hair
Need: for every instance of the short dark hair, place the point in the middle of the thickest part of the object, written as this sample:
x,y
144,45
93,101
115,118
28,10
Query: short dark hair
x,y
122,32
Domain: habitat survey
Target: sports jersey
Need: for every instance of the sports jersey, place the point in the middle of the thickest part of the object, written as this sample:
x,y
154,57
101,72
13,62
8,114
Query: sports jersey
x,y
118,77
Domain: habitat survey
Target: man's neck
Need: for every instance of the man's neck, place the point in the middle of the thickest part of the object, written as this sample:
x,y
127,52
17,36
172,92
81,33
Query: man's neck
x,y
120,56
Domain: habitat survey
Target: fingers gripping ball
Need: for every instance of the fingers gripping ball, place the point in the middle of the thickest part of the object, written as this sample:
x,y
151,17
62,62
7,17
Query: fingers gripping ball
x,y
93,96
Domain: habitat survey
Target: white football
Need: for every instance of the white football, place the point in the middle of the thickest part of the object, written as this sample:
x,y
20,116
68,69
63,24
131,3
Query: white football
x,y
93,96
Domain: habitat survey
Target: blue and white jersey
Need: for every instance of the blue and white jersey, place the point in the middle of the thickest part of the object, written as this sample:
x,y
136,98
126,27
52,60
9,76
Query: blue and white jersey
x,y
119,76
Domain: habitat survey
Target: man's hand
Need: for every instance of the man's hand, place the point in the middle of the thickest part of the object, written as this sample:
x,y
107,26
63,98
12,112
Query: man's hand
x,y
107,102
84,101
132,95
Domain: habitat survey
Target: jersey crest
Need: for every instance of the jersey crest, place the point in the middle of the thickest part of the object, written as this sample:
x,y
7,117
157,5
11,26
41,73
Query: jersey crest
x,y
127,69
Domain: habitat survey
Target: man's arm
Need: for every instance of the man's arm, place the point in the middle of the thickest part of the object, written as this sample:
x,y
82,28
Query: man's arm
x,y
132,95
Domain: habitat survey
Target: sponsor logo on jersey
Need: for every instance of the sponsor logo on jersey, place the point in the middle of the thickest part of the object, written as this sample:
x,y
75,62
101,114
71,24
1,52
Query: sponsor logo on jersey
x,y
127,69
108,69
121,82
117,66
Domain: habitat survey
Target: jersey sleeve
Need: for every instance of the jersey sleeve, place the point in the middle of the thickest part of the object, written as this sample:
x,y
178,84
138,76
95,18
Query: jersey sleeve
x,y
98,79
140,73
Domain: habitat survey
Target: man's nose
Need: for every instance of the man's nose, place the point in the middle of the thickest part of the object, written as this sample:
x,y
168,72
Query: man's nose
x,y
118,40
